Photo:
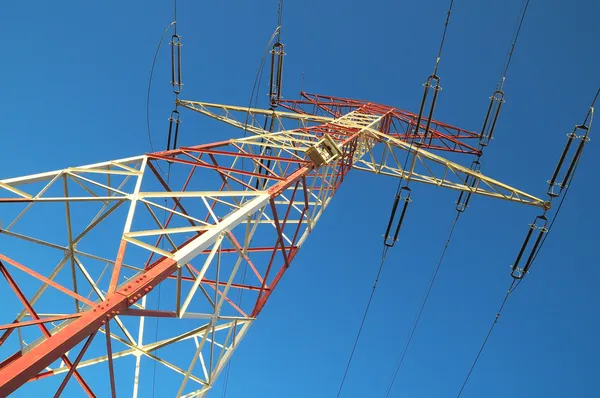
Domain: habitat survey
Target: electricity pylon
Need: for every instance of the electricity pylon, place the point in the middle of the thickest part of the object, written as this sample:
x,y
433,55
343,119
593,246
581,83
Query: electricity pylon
x,y
197,236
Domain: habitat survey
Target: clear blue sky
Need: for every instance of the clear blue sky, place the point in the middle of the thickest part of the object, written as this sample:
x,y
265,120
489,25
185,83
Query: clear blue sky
x,y
73,80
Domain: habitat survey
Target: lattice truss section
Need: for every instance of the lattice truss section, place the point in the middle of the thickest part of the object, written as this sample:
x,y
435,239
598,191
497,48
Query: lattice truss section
x,y
198,238
396,134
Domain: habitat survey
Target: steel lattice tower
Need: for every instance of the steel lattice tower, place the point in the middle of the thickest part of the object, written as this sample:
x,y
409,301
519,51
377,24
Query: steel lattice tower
x,y
229,218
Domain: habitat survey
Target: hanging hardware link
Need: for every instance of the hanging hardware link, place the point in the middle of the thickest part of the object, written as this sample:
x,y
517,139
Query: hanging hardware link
x,y
431,84
489,124
402,196
540,224
471,181
174,121
176,81
555,188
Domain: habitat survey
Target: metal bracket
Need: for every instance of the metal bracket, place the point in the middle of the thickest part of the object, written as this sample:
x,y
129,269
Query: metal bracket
x,y
323,151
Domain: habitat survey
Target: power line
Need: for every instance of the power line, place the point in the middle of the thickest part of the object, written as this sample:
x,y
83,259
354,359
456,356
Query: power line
x,y
514,43
431,283
398,190
510,290
439,55
591,110
175,14
362,323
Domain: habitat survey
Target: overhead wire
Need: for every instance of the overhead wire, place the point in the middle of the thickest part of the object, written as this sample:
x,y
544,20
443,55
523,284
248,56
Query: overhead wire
x,y
439,56
423,304
514,43
491,329
364,318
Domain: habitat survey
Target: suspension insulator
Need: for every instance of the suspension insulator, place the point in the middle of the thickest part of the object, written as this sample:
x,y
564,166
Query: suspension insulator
x,y
176,81
261,182
471,181
173,129
402,198
431,84
555,188
269,124
489,124
276,76
540,225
